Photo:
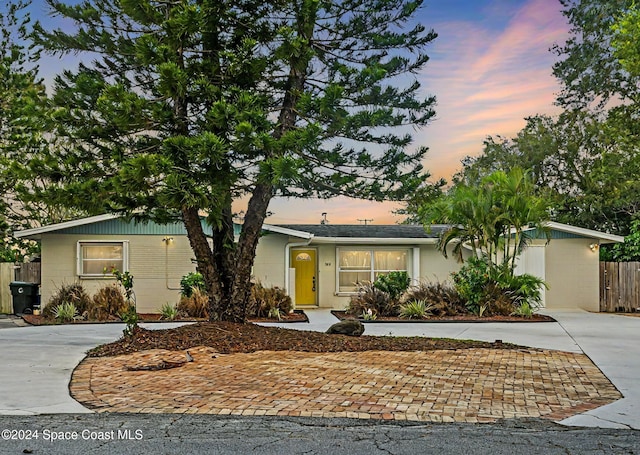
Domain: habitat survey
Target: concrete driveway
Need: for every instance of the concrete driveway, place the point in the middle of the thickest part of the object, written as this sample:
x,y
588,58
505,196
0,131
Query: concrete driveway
x,y
37,361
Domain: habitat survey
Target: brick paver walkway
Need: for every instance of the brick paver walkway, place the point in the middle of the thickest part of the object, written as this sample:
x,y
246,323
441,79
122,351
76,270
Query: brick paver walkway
x,y
471,385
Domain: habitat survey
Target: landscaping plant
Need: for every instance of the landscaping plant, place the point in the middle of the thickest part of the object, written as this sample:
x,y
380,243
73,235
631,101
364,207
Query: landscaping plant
x,y
525,289
442,297
68,293
371,298
263,302
489,289
415,309
368,315
274,313
190,282
524,310
194,306
130,318
65,312
168,312
126,281
498,301
393,283
471,282
107,303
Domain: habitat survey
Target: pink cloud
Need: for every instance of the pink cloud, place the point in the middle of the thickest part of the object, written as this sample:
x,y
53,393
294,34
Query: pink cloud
x,y
487,81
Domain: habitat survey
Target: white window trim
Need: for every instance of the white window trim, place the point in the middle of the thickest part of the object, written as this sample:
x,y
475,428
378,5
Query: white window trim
x,y
372,249
125,257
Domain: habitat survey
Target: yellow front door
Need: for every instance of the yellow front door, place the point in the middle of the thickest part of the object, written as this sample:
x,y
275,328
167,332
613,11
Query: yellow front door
x,y
304,263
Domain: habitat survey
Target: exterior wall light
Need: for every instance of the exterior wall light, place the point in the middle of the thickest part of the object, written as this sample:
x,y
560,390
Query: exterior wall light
x,y
168,240
594,247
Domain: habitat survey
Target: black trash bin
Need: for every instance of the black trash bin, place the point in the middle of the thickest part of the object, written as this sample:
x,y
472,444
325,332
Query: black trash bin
x,y
25,296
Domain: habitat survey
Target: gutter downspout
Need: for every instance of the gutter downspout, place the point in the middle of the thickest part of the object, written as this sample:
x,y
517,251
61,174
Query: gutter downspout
x,y
287,259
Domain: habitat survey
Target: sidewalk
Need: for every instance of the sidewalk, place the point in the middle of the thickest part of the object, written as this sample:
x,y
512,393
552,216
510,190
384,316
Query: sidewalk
x,y
10,321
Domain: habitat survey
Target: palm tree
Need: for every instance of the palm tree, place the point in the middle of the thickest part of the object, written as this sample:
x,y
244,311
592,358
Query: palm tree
x,y
496,216
523,212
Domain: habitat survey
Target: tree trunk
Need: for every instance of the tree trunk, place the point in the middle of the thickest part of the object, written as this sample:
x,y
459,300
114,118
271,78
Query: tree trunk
x,y
215,265
246,249
227,267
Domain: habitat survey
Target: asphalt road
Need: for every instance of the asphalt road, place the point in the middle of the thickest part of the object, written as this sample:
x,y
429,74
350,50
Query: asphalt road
x,y
163,434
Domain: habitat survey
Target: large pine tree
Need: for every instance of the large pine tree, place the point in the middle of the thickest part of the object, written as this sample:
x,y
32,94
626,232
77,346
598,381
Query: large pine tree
x,y
188,105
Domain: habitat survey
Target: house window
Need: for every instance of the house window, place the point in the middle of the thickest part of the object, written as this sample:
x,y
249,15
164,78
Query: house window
x,y
359,265
303,257
97,258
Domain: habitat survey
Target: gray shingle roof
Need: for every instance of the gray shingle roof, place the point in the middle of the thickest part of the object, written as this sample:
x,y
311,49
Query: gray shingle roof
x,y
387,231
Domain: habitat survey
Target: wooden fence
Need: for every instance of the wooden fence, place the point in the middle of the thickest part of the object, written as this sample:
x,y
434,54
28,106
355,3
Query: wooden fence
x,y
6,276
619,286
29,272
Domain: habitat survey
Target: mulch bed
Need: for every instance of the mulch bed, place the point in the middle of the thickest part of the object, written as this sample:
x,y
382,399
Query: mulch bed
x,y
296,316
342,315
228,338
41,320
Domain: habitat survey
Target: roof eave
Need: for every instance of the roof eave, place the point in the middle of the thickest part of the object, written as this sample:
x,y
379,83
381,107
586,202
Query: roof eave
x,y
375,240
35,233
287,231
603,237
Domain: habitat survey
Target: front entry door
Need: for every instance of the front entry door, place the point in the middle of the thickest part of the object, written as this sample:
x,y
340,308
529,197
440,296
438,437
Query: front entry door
x,y
304,263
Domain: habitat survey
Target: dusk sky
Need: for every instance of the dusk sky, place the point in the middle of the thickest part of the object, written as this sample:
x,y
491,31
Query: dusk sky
x,y
490,68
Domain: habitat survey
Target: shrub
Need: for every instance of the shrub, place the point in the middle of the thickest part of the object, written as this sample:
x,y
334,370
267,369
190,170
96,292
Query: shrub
x,y
368,315
126,281
263,302
274,313
442,297
168,312
190,282
471,281
194,306
393,283
107,303
524,310
497,300
370,297
418,309
130,318
494,290
65,312
525,289
68,293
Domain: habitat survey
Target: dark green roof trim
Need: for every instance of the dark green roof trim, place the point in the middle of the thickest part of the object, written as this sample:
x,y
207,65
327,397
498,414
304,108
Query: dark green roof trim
x,y
555,235
122,227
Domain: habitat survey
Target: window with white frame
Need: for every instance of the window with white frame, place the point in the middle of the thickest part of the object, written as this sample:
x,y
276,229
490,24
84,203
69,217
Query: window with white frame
x,y
357,265
97,258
